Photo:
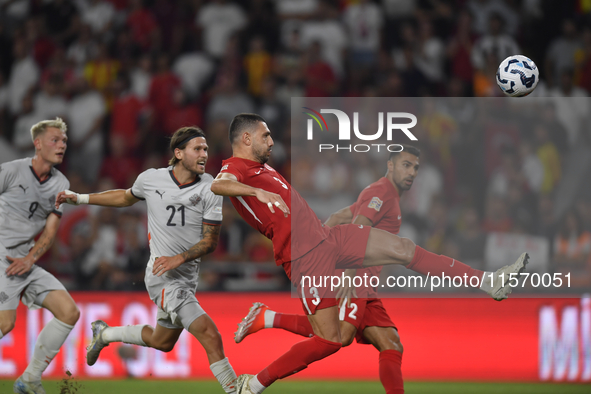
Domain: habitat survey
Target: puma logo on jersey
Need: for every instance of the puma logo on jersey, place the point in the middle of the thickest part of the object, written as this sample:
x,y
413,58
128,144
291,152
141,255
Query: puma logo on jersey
x,y
24,188
399,217
361,226
160,193
259,171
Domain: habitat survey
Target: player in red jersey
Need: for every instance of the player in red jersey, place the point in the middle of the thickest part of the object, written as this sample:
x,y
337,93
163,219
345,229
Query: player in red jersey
x,y
363,318
317,250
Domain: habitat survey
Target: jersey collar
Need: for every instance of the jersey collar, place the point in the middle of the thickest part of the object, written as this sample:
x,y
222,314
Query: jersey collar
x,y
37,176
183,185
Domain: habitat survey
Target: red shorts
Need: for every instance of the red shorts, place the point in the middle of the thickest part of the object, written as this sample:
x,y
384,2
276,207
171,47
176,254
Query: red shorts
x,y
365,312
343,248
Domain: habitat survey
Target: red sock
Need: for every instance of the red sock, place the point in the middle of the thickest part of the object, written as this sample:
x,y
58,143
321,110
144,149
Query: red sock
x,y
425,262
391,371
298,324
297,358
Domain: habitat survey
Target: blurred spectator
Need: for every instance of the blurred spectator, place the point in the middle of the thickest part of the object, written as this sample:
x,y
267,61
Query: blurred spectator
x,y
162,88
270,108
561,53
49,102
194,70
546,225
99,15
531,167
23,75
430,53
229,101
460,47
495,42
438,230
558,134
572,107
101,71
572,251
470,238
497,215
320,78
364,22
427,185
22,139
183,112
119,167
326,29
42,46
83,48
61,20
257,63
141,77
291,88
484,9
142,24
85,119
130,115
506,173
219,19
549,157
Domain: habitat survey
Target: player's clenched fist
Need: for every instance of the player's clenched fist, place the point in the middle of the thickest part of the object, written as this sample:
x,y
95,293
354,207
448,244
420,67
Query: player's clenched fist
x,y
69,197
272,199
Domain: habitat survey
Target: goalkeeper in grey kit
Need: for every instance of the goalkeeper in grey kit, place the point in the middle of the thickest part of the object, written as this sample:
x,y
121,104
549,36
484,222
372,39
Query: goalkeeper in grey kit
x,y
181,210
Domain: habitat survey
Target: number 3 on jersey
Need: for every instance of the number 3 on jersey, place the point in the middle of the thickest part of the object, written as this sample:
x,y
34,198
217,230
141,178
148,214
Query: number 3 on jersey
x,y
174,210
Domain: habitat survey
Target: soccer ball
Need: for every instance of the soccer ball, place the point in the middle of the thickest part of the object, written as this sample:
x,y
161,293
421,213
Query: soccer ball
x,y
517,76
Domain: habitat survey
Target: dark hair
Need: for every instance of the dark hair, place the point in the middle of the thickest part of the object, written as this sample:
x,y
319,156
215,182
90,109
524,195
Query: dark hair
x,y
408,149
181,137
241,122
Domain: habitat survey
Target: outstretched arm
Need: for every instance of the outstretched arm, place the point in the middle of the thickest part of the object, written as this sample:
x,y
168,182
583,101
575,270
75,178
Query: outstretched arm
x,y
22,265
211,235
226,184
110,198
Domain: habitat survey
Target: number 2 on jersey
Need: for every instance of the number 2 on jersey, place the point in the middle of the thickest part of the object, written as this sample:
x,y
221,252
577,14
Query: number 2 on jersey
x,y
181,209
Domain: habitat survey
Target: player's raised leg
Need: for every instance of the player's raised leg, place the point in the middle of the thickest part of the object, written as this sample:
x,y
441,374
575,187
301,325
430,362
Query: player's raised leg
x,y
387,341
384,248
50,339
260,316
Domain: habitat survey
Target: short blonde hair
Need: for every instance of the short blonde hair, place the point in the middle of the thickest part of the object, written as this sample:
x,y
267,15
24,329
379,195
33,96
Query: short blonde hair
x,y
40,127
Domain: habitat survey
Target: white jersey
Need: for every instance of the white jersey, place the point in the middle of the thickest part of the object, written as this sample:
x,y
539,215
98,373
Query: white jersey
x,y
176,213
25,204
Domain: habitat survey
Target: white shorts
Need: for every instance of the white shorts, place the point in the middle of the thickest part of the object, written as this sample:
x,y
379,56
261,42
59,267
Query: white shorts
x,y
31,288
177,305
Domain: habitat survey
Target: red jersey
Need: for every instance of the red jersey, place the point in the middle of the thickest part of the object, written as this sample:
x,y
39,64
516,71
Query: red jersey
x,y
292,236
380,203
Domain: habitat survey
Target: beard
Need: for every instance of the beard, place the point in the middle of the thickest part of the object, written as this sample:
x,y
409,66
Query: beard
x,y
261,155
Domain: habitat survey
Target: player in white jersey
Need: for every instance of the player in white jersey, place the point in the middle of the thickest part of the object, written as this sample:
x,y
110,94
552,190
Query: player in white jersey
x,y
27,206
184,219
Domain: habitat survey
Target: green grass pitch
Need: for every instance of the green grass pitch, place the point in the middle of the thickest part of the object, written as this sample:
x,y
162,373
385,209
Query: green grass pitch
x,y
293,387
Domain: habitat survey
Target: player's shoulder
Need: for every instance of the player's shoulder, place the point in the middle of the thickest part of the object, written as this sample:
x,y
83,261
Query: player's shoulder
x,y
206,178
60,178
15,164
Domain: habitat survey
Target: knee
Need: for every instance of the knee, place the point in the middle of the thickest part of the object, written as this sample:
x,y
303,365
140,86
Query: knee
x,y
165,347
6,325
391,343
71,314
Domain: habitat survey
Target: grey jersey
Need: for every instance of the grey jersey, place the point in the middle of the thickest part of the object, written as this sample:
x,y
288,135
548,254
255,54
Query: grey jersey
x,y
176,214
25,204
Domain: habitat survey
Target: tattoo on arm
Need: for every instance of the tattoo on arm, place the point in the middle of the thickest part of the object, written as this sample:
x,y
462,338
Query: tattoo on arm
x,y
42,245
211,235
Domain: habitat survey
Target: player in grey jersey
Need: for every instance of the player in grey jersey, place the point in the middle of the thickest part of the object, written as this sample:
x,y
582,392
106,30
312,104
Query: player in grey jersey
x,y
27,206
184,219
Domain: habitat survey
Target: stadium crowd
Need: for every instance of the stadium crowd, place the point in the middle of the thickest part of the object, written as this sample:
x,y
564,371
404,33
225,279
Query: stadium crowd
x,y
125,74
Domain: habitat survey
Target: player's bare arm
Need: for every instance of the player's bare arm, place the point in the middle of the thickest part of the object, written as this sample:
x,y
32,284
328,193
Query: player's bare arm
x,y
226,184
346,291
211,236
343,216
118,198
23,265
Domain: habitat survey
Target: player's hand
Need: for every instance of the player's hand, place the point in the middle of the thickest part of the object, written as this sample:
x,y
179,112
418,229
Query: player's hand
x,y
67,197
272,200
164,264
18,266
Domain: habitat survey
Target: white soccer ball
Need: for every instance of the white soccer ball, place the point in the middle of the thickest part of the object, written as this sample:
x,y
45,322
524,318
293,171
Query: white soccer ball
x,y
517,76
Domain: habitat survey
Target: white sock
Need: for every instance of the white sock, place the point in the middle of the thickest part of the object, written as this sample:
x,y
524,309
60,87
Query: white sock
x,y
255,386
127,334
48,344
485,285
224,373
269,317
